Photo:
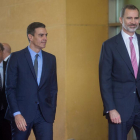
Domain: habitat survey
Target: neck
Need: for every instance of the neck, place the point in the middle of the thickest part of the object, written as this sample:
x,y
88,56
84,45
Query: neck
x,y
129,33
34,48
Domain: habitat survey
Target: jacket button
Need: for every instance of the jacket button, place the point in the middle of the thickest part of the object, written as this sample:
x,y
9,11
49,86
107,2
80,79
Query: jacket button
x,y
134,92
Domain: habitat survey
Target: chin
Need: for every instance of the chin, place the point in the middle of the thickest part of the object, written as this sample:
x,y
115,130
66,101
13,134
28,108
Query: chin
x,y
132,30
43,47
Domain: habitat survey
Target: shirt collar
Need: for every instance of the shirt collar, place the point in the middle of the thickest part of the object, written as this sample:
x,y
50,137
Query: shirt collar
x,y
34,53
6,58
126,36
1,64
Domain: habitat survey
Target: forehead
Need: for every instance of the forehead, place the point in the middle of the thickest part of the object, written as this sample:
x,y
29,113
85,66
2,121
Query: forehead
x,y
40,31
131,13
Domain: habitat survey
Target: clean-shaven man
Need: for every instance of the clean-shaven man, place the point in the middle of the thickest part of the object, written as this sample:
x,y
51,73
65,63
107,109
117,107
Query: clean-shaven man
x,y
31,87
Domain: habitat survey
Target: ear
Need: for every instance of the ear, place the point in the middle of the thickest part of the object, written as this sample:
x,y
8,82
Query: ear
x,y
30,37
121,20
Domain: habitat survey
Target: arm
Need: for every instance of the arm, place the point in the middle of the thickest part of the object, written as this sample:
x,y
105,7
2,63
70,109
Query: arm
x,y
53,88
105,78
11,86
11,83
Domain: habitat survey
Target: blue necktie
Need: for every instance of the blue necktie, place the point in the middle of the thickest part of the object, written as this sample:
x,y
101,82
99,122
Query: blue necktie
x,y
36,64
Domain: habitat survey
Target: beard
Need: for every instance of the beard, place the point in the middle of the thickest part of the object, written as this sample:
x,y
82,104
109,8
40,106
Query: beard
x,y
129,29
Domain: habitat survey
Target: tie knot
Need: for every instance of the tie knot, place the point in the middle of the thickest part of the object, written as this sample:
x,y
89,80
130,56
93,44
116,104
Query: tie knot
x,y
131,38
36,56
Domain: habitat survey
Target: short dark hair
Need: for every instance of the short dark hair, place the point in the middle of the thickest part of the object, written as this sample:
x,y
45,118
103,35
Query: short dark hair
x,y
131,7
1,47
31,28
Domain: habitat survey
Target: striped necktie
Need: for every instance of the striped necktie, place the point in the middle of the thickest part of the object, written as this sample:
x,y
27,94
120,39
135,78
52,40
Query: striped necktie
x,y
133,58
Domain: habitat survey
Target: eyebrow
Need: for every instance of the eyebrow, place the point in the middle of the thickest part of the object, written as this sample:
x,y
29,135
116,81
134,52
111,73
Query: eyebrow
x,y
132,17
43,34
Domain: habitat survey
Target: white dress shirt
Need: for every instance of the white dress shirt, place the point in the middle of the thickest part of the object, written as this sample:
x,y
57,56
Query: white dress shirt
x,y
6,58
1,72
127,44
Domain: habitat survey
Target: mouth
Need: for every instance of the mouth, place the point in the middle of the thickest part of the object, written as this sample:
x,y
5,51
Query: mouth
x,y
44,42
132,26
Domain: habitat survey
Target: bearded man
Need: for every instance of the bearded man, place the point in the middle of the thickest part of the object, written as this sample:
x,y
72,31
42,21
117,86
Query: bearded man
x,y
119,76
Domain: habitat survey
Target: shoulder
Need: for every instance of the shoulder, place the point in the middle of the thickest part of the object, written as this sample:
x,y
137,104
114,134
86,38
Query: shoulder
x,y
113,39
49,55
111,43
19,53
138,36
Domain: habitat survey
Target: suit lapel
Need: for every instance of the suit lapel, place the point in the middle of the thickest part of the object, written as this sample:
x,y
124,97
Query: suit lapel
x,y
138,39
44,69
123,52
30,63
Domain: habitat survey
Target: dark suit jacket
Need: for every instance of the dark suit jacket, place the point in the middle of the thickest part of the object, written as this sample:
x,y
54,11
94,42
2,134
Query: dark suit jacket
x,y
22,90
117,81
3,101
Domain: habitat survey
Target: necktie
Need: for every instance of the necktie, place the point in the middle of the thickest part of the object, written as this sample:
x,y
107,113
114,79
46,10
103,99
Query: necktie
x,y
133,57
36,64
0,82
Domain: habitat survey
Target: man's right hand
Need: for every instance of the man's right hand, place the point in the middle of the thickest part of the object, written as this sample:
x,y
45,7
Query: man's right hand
x,y
20,122
114,116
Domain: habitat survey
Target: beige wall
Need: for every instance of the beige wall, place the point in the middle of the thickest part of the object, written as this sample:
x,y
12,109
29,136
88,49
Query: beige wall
x,y
87,28
76,30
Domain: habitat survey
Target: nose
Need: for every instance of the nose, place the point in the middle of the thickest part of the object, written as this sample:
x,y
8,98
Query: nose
x,y
133,21
45,37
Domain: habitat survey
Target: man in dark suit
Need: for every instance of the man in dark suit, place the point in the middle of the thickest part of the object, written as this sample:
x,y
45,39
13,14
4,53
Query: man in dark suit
x,y
31,87
119,76
5,128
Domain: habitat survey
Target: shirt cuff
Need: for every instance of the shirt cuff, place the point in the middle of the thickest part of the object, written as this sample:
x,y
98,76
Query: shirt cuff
x,y
16,113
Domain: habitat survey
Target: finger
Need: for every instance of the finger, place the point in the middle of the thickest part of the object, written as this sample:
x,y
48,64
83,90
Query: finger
x,y
120,120
115,121
25,122
23,126
112,120
19,127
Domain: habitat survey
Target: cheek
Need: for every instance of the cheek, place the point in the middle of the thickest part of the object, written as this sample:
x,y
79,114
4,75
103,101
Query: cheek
x,y
126,23
137,22
37,41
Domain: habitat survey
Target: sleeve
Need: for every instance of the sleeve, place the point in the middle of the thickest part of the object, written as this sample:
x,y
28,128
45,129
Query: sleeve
x,y
53,88
11,83
105,78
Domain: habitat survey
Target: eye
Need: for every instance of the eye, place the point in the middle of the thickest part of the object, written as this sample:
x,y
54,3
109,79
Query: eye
x,y
41,35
